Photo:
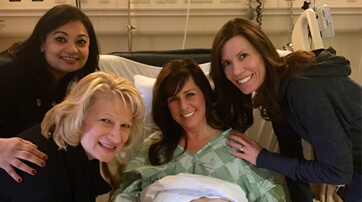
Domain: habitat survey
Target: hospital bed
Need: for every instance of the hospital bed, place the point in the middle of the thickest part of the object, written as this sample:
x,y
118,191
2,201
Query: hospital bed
x,y
142,67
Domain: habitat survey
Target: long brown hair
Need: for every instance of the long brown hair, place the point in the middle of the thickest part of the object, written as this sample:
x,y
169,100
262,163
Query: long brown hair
x,y
232,104
169,82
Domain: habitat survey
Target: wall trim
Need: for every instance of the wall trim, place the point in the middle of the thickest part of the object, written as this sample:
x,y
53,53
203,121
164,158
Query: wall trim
x,y
161,12
275,21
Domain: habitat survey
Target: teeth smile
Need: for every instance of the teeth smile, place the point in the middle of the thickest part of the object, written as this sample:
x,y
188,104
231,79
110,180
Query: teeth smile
x,y
244,80
69,58
106,145
188,115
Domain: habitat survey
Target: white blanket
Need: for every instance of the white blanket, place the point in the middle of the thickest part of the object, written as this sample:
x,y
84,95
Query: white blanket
x,y
185,187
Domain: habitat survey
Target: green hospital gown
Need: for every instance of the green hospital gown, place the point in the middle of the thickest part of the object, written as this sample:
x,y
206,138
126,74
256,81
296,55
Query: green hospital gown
x,y
211,160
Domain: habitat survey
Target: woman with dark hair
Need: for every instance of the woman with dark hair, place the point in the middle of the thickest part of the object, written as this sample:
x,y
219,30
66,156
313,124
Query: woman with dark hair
x,y
306,95
190,139
36,74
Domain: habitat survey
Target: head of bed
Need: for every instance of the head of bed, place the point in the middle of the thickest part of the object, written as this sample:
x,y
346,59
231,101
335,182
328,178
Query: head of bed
x,y
160,58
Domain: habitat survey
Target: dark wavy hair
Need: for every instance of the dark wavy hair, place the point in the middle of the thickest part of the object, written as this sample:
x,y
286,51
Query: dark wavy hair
x,y
28,52
169,82
232,104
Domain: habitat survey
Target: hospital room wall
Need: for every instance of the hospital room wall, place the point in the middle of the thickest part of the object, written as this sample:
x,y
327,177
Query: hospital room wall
x,y
161,26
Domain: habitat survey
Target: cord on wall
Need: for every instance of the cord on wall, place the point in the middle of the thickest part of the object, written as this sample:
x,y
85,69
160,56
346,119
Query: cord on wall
x,y
78,4
259,11
186,24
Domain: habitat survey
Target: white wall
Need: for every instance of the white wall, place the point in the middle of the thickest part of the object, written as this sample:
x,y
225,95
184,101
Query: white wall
x,y
160,26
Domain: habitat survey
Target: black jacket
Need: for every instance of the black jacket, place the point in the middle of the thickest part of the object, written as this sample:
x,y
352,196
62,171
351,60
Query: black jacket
x,y
68,175
324,107
27,92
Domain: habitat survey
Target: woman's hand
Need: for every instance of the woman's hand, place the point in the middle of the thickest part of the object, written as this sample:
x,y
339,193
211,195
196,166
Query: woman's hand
x,y
328,193
244,147
14,150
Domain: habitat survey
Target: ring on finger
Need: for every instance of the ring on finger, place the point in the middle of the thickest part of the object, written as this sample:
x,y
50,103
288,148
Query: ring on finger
x,y
242,149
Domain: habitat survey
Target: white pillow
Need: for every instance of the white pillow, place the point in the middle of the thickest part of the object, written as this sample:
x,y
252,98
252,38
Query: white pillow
x,y
283,53
205,67
145,86
126,68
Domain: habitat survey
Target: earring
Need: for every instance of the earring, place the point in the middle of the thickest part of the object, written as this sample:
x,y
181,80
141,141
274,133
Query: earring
x,y
41,50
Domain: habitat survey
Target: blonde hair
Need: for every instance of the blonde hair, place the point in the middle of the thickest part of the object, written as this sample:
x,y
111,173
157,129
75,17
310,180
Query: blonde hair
x,y
63,122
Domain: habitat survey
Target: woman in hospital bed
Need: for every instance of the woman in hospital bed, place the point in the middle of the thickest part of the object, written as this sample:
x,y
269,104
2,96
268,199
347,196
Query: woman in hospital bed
x,y
190,142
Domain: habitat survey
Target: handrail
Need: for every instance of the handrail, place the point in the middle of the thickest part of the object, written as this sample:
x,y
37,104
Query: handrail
x,y
306,23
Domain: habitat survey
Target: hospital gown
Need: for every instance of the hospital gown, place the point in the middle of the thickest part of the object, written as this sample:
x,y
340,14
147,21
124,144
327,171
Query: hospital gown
x,y
211,160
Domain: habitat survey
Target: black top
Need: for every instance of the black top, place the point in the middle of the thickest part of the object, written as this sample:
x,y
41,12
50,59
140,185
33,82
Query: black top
x,y
68,175
325,110
27,92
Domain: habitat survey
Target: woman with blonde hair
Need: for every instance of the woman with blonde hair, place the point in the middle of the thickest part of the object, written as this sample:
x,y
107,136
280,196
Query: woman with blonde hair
x,y
61,49
102,115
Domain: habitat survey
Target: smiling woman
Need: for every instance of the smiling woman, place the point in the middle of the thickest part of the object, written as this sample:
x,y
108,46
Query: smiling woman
x,y
102,115
66,49
243,65
190,138
36,74
306,95
106,127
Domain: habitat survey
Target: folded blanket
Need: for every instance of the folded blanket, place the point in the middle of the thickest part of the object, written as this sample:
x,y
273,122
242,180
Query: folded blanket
x,y
185,187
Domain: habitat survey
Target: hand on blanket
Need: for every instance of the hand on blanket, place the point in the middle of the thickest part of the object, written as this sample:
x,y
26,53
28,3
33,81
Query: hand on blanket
x,y
245,147
205,199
